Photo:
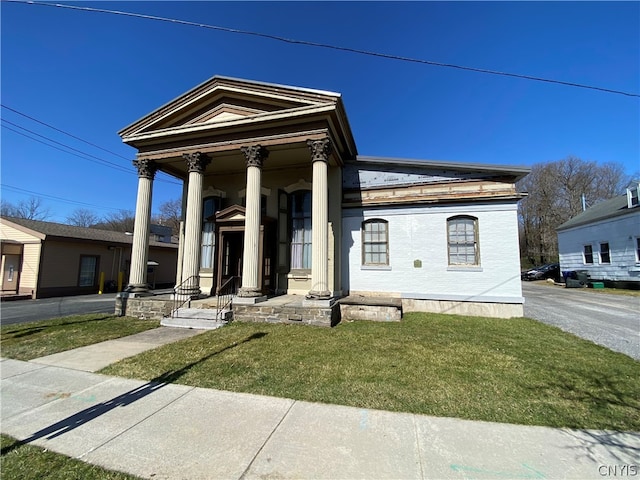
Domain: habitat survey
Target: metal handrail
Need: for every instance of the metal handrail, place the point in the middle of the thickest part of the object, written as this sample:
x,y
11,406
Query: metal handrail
x,y
225,295
179,299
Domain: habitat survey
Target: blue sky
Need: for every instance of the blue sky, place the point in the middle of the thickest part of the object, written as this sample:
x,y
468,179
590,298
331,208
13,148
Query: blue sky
x,y
91,74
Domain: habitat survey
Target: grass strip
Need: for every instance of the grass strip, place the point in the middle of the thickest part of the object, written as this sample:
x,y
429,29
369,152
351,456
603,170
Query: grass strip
x,y
28,462
514,371
36,339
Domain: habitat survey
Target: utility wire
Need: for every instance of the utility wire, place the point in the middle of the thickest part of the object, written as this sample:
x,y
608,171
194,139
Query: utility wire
x,y
80,154
324,45
72,136
92,159
52,197
62,131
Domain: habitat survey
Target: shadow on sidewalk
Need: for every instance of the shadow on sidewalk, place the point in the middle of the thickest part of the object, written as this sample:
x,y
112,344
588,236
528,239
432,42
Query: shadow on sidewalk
x,y
624,447
78,419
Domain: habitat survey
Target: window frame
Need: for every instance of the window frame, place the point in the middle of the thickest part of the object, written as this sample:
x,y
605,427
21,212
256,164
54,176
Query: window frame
x,y
633,196
209,236
586,254
364,243
475,243
299,264
604,253
96,271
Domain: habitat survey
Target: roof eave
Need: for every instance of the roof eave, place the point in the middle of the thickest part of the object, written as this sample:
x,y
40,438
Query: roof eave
x,y
517,171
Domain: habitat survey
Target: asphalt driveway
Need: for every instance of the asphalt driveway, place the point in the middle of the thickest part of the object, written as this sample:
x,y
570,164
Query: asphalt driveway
x,y
609,320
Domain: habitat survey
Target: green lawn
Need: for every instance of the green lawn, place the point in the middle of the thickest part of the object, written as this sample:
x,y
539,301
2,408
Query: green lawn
x,y
515,371
36,339
28,462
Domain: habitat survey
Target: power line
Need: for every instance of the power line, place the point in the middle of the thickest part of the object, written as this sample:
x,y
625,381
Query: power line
x,y
80,154
59,199
72,136
92,159
326,45
62,131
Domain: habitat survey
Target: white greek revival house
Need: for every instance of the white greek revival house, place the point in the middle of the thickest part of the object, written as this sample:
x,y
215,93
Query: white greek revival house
x,y
276,195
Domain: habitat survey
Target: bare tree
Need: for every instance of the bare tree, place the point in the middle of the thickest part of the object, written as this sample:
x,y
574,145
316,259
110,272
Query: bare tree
x,y
31,209
555,194
122,221
7,209
82,217
170,214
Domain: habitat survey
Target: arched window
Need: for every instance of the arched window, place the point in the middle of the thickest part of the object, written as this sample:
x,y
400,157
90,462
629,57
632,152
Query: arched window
x,y
375,242
462,238
300,208
210,205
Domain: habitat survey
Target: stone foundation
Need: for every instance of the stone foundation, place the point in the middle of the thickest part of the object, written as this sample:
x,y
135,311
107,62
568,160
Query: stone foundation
x,y
147,307
377,309
324,317
475,309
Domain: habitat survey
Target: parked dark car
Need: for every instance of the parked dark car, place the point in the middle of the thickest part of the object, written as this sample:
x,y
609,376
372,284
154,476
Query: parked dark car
x,y
550,270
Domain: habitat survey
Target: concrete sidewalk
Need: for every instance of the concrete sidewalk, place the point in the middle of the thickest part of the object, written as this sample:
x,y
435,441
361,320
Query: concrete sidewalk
x,y
97,356
167,431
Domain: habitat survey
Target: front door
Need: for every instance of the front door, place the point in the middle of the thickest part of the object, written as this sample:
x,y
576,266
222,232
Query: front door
x,y
10,273
231,261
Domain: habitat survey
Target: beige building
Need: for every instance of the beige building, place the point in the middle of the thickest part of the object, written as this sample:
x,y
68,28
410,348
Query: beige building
x,y
277,199
45,259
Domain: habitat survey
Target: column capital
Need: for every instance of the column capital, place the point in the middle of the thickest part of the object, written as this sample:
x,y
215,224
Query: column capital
x,y
146,168
255,155
196,161
320,149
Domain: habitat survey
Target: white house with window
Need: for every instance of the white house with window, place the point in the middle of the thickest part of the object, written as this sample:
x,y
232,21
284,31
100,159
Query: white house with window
x,y
277,199
440,236
604,240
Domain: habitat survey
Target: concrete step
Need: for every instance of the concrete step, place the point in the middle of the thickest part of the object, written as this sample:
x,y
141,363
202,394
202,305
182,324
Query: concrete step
x,y
197,318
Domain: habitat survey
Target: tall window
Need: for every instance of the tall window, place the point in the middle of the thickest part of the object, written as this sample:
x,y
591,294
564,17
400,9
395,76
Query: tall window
x,y
88,270
210,206
300,203
375,242
605,256
462,237
632,196
588,254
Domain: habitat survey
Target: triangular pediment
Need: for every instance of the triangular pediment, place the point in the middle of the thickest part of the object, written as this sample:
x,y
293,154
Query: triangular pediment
x,y
222,101
234,213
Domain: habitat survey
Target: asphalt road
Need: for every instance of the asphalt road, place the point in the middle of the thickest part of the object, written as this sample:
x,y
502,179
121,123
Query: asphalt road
x,y
20,311
612,321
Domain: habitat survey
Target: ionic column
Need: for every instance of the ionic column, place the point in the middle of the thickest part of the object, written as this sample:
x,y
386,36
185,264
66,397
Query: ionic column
x,y
196,163
255,156
320,150
140,248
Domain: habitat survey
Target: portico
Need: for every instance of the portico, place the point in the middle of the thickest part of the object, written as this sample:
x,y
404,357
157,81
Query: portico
x,y
256,159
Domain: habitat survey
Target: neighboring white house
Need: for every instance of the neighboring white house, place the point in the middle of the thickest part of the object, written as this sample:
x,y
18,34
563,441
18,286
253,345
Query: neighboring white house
x,y
605,241
277,200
